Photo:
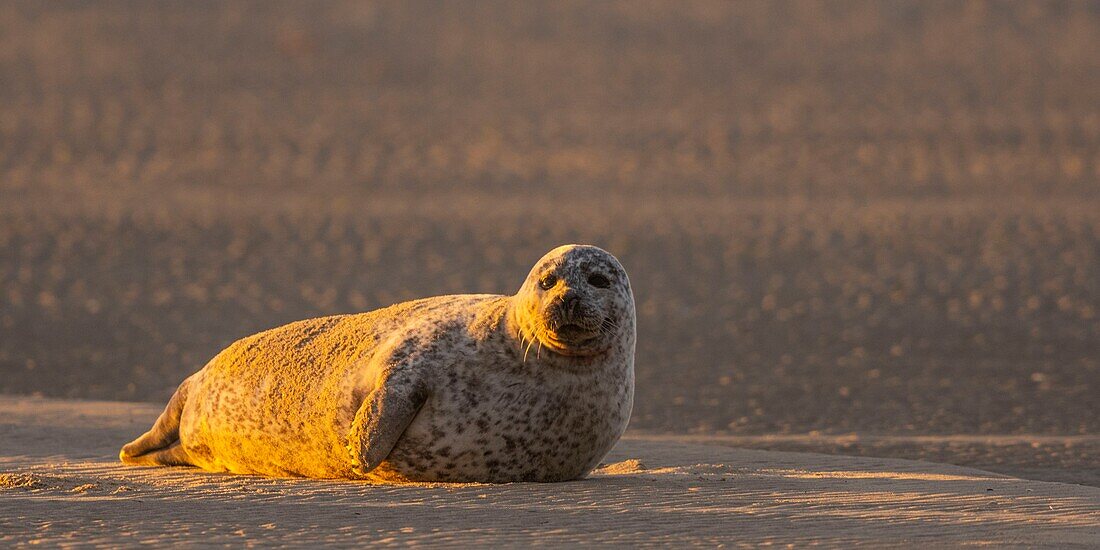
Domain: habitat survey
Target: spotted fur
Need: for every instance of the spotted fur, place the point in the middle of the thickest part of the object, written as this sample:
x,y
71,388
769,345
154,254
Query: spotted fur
x,y
532,387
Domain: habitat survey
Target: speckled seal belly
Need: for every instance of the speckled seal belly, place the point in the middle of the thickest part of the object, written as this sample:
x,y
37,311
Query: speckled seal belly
x,y
505,426
532,387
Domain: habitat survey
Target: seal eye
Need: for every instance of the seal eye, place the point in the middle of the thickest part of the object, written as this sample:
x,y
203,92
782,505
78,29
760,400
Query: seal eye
x,y
598,281
548,282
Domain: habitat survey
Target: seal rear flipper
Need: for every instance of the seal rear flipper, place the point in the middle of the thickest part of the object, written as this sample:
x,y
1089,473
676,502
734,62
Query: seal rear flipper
x,y
164,434
174,455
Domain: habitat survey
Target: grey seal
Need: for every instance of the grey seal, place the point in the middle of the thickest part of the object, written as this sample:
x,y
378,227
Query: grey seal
x,y
537,386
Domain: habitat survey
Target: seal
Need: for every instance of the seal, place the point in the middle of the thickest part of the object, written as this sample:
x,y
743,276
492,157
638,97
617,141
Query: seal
x,y
537,386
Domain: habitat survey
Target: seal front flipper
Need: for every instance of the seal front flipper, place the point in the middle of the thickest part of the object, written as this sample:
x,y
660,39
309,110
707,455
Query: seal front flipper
x,y
383,417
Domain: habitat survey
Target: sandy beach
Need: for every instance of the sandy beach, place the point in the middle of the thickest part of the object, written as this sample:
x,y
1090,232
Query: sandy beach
x,y
863,237
60,483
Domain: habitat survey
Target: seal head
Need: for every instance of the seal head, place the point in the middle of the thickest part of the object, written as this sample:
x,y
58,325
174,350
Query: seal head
x,y
576,302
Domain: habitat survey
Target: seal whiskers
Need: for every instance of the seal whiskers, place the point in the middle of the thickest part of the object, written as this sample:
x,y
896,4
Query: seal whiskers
x,y
528,349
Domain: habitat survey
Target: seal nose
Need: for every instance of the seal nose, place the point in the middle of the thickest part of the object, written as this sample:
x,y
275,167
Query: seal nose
x,y
569,304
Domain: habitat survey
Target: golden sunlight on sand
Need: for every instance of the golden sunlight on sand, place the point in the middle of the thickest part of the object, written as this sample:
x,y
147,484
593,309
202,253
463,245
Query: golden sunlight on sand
x,y
59,479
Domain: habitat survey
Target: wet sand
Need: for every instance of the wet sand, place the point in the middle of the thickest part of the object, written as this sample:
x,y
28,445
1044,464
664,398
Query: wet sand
x,y
60,483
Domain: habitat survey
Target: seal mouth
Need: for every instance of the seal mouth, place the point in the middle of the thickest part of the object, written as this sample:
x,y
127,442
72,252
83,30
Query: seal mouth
x,y
571,335
570,331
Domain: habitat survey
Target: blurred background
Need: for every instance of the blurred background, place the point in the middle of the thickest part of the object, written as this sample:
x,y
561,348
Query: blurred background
x,y
872,217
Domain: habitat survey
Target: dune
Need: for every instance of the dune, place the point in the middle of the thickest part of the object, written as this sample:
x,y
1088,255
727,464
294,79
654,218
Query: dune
x,y
60,483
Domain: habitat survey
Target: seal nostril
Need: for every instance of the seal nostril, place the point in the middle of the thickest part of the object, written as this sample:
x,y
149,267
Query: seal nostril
x,y
569,303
